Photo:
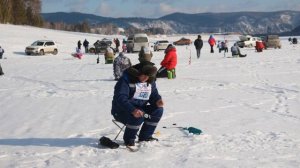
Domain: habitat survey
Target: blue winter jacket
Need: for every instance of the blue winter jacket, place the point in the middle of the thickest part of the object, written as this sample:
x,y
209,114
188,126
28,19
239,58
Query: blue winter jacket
x,y
123,101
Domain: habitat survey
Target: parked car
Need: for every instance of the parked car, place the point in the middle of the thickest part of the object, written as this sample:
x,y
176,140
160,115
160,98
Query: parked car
x,y
247,41
107,41
272,41
183,41
161,45
136,41
129,44
40,47
100,46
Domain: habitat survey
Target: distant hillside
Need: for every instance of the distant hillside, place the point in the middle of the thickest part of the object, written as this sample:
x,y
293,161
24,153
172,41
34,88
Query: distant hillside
x,y
296,31
73,17
242,22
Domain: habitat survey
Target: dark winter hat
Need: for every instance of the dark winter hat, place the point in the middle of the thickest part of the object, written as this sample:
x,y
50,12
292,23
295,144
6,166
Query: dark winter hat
x,y
170,45
121,54
199,36
149,70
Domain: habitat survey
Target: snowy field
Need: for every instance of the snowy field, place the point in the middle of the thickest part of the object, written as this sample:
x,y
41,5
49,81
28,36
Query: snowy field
x,y
53,109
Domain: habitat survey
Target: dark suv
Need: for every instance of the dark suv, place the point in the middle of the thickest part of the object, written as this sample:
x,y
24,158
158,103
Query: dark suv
x,y
100,46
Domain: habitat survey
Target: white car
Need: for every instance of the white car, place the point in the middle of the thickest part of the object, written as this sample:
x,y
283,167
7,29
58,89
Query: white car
x,y
41,47
136,42
161,45
247,41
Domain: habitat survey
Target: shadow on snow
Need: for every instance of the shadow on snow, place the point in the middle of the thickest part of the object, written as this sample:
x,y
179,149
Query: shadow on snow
x,y
50,142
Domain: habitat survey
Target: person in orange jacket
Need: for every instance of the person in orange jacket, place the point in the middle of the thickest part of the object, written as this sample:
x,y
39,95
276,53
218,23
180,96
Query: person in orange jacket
x,y
168,63
212,43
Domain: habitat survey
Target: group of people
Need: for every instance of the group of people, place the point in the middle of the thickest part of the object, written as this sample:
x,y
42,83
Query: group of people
x,y
168,64
222,45
85,45
78,54
136,102
109,53
293,40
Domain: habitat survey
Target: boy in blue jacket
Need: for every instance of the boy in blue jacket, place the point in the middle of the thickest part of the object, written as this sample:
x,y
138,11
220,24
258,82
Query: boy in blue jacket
x,y
135,95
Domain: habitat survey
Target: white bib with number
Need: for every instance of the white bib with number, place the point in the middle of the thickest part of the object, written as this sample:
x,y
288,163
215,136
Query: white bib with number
x,y
142,91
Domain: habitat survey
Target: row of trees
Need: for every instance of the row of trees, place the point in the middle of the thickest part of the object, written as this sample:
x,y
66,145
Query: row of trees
x,y
79,27
28,12
21,12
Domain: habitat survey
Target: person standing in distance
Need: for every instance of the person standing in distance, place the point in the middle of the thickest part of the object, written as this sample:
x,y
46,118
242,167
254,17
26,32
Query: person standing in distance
x,y
212,43
79,44
86,46
198,45
1,52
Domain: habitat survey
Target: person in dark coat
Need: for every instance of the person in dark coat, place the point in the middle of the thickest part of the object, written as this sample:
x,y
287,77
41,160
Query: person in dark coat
x,y
79,45
294,40
117,44
1,52
198,45
86,45
1,71
136,102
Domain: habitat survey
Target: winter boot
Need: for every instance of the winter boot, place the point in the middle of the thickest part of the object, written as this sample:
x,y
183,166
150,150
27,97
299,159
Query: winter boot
x,y
150,139
129,143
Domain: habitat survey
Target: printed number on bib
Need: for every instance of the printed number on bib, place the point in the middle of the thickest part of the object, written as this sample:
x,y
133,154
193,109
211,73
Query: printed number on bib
x,y
142,91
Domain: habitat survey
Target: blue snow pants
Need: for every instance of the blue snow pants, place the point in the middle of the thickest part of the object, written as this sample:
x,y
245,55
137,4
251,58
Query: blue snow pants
x,y
133,124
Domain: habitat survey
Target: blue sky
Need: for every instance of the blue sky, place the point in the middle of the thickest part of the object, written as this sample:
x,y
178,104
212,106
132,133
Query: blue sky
x,y
158,8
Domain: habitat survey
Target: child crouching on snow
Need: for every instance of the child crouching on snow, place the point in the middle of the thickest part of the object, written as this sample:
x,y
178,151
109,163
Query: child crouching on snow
x,y
78,53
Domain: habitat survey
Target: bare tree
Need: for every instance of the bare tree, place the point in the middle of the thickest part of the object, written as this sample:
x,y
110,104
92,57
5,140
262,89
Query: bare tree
x,y
19,14
6,11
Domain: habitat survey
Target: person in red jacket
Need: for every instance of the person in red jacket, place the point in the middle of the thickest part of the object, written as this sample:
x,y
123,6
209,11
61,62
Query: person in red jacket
x,y
168,63
211,42
259,46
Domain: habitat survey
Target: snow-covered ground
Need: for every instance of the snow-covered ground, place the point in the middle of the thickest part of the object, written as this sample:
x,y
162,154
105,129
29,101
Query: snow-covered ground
x,y
53,109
